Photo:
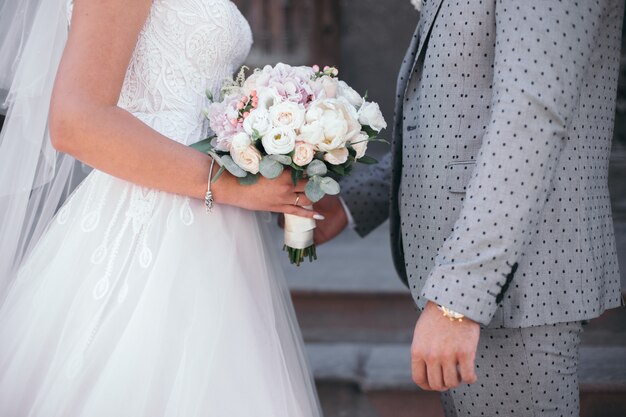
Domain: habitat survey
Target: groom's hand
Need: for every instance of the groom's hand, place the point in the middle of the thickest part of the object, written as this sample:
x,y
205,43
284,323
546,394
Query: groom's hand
x,y
335,221
443,351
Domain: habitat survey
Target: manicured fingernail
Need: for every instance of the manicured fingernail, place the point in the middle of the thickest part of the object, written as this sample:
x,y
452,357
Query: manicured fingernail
x,y
319,217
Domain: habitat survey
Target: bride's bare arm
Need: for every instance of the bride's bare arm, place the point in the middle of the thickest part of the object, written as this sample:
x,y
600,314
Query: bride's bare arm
x,y
86,122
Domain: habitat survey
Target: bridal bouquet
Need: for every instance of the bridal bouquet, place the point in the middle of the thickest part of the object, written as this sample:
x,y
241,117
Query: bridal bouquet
x,y
299,118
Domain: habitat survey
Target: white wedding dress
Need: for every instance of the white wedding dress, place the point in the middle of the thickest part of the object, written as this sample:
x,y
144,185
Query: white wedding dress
x,y
136,302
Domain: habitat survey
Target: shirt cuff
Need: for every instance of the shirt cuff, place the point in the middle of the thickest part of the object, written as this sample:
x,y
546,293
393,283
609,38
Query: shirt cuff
x,y
351,222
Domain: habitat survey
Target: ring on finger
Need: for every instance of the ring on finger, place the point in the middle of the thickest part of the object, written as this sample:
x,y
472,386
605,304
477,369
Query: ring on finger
x,y
297,200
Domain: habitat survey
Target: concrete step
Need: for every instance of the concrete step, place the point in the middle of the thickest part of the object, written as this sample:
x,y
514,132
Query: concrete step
x,y
375,380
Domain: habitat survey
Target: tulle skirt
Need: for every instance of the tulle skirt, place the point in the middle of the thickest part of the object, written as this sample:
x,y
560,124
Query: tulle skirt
x,y
139,303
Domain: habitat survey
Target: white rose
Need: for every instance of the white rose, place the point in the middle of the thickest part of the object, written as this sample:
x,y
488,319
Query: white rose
x,y
289,115
311,133
336,119
279,141
246,155
303,154
268,97
350,94
259,120
360,145
370,115
337,156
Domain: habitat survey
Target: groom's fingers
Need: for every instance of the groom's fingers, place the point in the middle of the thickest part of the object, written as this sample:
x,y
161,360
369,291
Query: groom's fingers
x,y
451,377
435,376
466,368
418,368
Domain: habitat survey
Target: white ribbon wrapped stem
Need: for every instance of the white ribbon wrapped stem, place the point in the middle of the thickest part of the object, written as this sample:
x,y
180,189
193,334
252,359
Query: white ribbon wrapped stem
x,y
299,231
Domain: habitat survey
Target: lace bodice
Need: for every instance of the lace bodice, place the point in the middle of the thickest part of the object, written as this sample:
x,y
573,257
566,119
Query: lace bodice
x,y
186,48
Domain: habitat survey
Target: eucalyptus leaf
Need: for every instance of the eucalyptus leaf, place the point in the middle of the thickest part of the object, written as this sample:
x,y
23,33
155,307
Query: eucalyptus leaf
x,y
203,146
218,174
296,174
329,186
232,167
270,168
338,169
313,190
256,135
368,160
282,159
249,179
316,167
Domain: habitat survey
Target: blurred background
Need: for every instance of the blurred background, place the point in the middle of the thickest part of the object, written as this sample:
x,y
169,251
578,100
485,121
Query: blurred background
x,y
356,317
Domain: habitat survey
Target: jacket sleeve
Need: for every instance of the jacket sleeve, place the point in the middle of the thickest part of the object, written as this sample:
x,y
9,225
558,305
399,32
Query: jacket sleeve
x,y
366,193
542,53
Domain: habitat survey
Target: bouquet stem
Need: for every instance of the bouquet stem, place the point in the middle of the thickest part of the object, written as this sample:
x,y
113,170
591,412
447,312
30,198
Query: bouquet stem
x,y
299,243
297,256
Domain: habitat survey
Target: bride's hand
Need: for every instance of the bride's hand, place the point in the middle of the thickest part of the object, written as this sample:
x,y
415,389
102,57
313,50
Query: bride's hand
x,y
278,195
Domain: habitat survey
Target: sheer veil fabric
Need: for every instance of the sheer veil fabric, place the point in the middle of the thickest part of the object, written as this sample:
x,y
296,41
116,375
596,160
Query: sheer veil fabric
x,y
131,302
34,178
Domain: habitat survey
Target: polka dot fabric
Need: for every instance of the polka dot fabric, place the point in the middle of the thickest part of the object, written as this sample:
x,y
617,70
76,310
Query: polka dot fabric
x,y
525,372
499,200
536,123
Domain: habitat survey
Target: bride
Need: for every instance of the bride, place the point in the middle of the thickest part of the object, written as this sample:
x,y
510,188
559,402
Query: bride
x,y
133,299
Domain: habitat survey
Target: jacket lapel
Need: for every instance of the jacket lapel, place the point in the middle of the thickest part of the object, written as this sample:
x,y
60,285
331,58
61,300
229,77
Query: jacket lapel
x,y
430,9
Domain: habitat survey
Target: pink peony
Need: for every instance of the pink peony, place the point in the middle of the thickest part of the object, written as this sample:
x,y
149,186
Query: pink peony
x,y
221,116
293,84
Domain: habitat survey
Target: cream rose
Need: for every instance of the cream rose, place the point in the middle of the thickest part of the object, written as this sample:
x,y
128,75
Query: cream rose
x,y
303,154
337,156
370,115
246,155
287,114
259,120
334,120
279,141
328,87
360,145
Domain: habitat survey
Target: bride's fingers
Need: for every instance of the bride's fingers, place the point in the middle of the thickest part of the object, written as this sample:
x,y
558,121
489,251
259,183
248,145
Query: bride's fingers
x,y
304,201
300,186
300,212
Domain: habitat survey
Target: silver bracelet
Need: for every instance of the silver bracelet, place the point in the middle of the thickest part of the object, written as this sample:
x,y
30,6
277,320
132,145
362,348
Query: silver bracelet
x,y
209,202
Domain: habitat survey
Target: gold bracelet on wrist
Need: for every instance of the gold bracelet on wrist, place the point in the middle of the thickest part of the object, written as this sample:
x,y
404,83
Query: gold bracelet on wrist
x,y
450,314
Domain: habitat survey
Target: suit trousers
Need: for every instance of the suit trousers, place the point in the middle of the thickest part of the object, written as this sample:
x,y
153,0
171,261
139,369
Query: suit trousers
x,y
522,372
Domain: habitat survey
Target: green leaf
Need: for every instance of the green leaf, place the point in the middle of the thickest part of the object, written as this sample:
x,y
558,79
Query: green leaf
x,y
282,159
313,190
368,160
337,169
329,186
204,146
249,179
296,175
256,135
232,167
218,174
270,168
316,167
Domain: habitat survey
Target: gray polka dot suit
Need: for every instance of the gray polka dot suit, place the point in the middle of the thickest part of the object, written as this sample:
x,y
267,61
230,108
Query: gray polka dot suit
x,y
498,171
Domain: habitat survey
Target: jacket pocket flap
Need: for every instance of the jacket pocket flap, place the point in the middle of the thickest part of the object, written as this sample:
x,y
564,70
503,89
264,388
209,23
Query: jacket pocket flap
x,y
458,175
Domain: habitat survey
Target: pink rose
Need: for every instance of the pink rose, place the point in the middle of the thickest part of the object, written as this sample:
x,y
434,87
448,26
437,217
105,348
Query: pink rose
x,y
303,154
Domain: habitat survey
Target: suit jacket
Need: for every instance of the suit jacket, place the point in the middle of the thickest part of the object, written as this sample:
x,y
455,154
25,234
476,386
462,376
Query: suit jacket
x,y
497,176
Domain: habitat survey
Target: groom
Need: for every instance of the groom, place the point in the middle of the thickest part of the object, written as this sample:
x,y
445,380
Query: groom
x,y
499,210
